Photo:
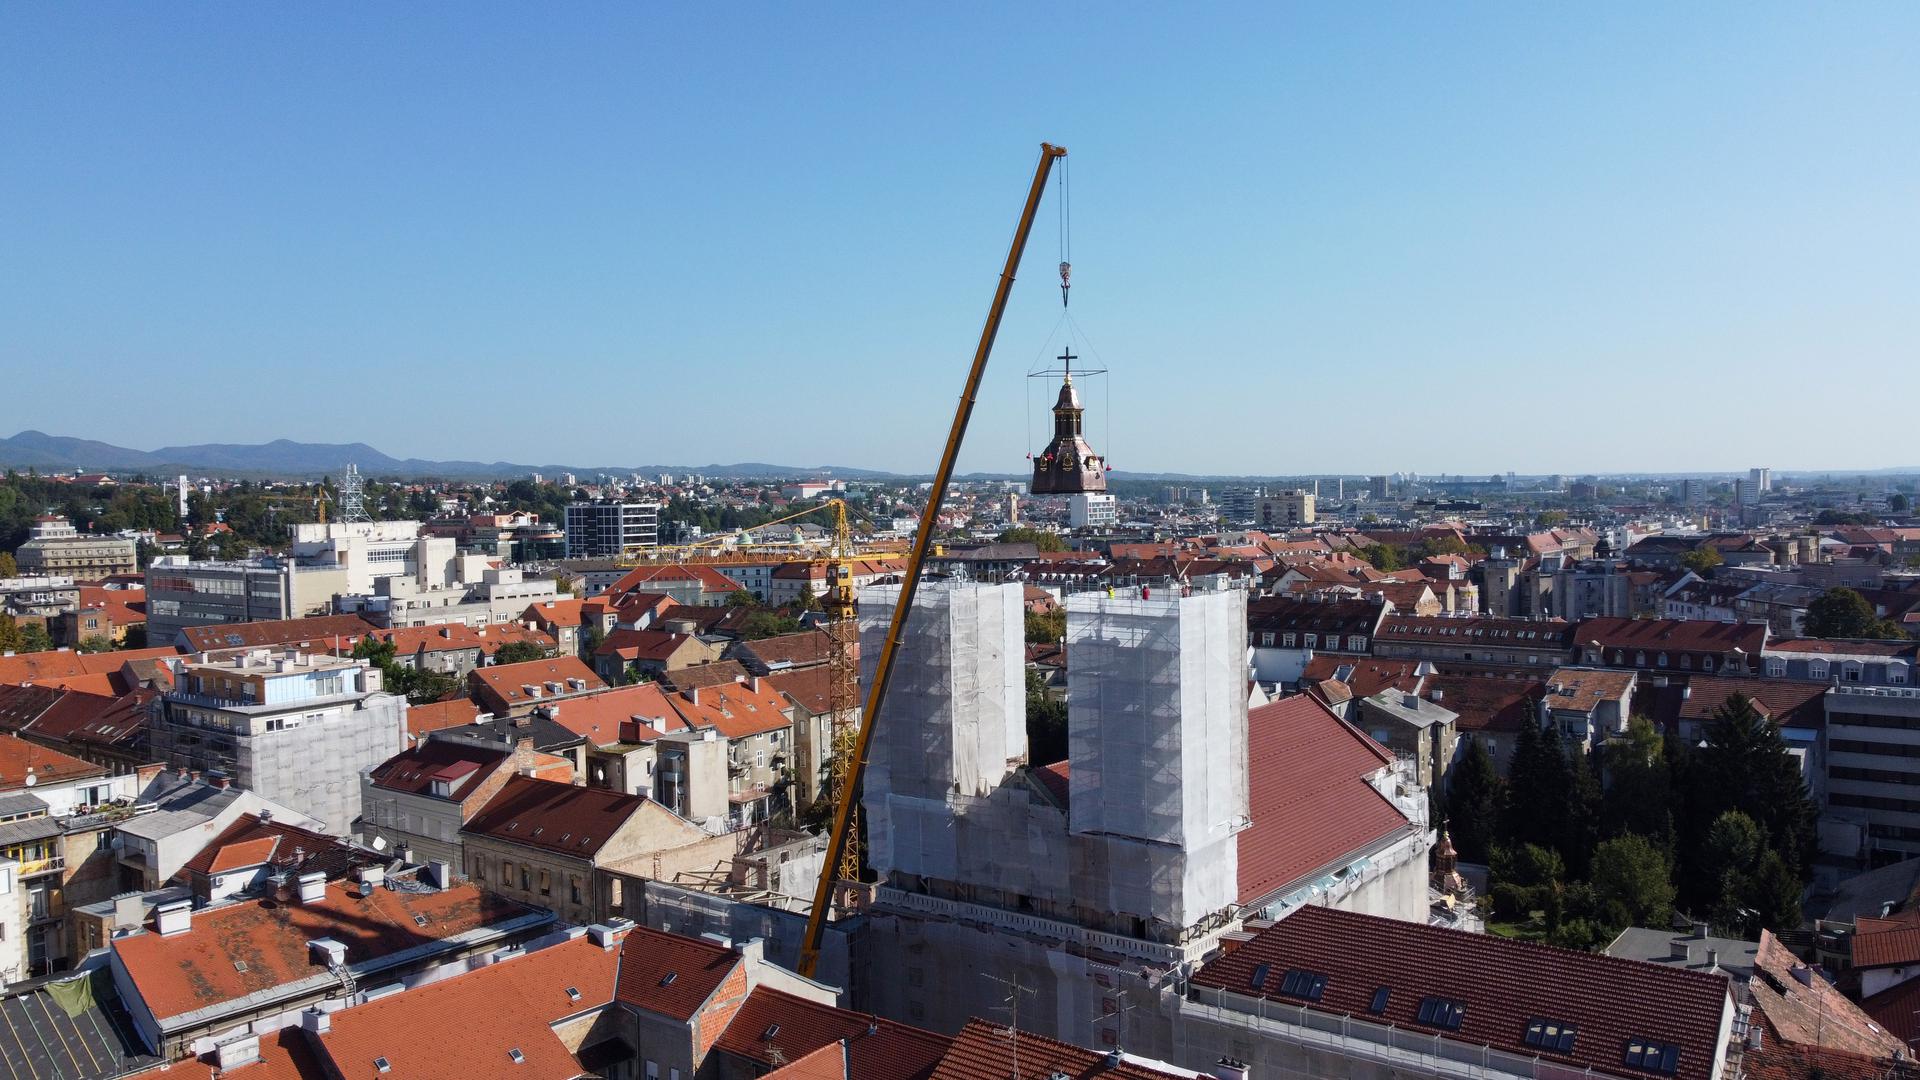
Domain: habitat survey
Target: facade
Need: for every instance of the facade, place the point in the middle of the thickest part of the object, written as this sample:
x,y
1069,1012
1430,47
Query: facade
x,y
1419,731
611,529
1287,509
183,592
560,847
1092,511
296,728
54,548
1587,706
415,803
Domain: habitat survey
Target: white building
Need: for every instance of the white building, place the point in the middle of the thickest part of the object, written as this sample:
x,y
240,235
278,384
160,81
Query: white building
x,y
1092,511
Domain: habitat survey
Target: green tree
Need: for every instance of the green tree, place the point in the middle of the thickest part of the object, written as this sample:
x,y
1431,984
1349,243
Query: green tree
x,y
1745,766
1732,853
1046,723
1639,790
11,639
1384,557
1547,519
8,568
1844,613
765,624
1702,559
1041,539
1774,895
519,652
742,598
1538,781
1473,803
425,687
95,643
807,601
1631,881
1898,503
1046,628
34,638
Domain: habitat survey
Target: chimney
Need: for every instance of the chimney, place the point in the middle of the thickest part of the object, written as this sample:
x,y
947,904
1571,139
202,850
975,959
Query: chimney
x,y
312,887
1700,930
234,1053
173,917
326,950
371,878
1229,1069
315,1022
129,911
1713,959
1438,695
1411,701
1681,950
442,874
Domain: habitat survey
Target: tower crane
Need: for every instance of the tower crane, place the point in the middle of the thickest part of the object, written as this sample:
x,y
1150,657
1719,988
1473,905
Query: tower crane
x,y
848,793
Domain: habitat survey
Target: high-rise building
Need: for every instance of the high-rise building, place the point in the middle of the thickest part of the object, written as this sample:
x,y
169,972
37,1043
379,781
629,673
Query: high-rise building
x,y
1288,509
1241,503
611,528
1382,487
1762,480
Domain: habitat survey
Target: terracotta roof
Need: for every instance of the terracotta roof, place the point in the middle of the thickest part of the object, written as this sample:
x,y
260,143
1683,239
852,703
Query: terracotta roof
x,y
96,718
1796,703
1774,1061
437,715
1365,677
318,632
713,674
1336,616
256,946
1803,1008
1842,646
983,1051
735,710
793,650
811,687
1884,943
300,851
554,816
670,975
454,637
1057,779
1583,689
1486,704
1308,797
22,705
506,1006
500,686
246,853
1673,635
775,1026
1503,985
461,765
18,757
565,611
709,579
1897,1009
1546,634
603,719
633,645
44,667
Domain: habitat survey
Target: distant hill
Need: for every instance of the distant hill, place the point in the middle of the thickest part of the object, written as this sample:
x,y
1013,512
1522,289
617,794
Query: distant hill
x,y
284,457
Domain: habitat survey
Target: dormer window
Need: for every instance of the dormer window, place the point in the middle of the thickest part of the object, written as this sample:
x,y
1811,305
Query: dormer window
x,y
1816,669
442,789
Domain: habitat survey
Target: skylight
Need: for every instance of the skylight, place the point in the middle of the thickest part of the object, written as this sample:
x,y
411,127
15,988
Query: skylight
x,y
1303,984
1551,1035
772,1030
1442,1013
381,1064
1379,1003
516,1056
667,979
1259,977
573,993
1653,1056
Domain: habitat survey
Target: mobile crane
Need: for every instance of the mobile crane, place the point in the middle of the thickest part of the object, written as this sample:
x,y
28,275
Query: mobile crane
x,y
839,853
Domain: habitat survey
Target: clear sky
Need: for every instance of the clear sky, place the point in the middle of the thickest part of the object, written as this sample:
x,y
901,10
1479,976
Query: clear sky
x,y
1307,238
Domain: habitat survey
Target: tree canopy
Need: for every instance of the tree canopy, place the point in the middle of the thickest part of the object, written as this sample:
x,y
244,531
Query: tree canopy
x,y
1039,538
1843,613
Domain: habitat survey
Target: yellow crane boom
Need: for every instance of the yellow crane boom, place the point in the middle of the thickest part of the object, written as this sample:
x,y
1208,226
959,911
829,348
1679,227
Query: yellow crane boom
x,y
848,797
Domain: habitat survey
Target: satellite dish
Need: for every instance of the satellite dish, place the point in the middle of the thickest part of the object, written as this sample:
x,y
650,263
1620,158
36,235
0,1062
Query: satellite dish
x,y
379,843
31,779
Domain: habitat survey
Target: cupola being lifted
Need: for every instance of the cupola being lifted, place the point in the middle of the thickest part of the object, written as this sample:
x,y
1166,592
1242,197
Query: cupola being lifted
x,y
1068,466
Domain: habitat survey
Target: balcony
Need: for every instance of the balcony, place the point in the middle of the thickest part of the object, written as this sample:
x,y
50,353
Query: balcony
x,y
32,868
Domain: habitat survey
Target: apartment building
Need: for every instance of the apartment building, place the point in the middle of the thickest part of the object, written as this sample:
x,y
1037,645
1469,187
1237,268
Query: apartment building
x,y
298,728
55,547
415,803
611,528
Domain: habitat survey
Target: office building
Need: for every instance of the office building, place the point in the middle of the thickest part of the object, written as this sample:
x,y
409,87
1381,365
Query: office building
x,y
611,529
1092,511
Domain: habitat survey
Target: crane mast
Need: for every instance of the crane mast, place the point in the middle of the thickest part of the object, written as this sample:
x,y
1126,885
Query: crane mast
x,y
849,793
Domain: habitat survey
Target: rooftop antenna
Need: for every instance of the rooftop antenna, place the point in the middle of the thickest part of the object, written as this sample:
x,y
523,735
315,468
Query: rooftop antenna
x,y
353,504
1014,990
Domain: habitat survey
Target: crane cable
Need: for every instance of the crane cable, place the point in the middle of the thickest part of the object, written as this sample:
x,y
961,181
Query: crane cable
x,y
1066,236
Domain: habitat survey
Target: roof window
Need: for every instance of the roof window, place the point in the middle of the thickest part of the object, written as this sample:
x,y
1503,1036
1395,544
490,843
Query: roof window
x,y
1379,1003
1304,984
1653,1056
1442,1013
1259,978
667,979
381,1064
514,1055
1551,1035
772,1030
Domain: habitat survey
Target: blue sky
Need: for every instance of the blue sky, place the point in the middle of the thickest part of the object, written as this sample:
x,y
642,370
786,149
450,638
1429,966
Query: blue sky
x,y
1306,238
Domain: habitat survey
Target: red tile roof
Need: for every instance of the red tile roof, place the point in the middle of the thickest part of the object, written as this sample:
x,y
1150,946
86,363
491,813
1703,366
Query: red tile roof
x,y
297,850
1310,804
1897,1009
1583,689
454,637
437,715
775,1026
1774,1061
565,611
317,633
709,579
603,719
500,686
1057,778
1788,702
96,718
794,650
1673,635
983,1051
712,674
1885,943
44,667
1486,704
268,939
1545,634
1812,1012
245,853
553,816
1367,678
1503,984
631,645
670,975
18,757
811,687
506,1006
735,710
462,765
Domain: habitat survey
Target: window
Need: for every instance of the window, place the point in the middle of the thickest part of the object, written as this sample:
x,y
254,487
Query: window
x,y
1776,668
1653,1056
1310,640
1816,669
479,869
1266,639
526,879
1286,640
1442,1013
1259,978
546,883
1897,674
1850,671
1706,663
1550,1035
573,888
1356,643
1308,985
